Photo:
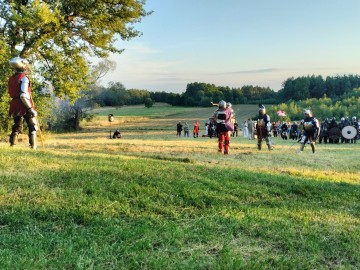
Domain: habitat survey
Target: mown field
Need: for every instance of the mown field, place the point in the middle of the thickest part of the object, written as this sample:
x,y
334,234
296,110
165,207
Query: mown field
x,y
152,200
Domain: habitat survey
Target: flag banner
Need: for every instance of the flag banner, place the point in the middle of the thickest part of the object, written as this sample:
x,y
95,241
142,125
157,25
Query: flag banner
x,y
281,113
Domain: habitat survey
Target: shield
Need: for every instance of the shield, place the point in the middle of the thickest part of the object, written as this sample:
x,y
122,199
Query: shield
x,y
349,132
334,133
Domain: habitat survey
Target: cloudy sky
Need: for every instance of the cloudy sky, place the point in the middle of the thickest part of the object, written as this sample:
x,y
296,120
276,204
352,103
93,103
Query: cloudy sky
x,y
239,42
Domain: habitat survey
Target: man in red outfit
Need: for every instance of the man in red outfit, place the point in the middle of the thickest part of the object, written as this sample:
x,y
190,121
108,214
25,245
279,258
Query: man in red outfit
x,y
224,126
21,106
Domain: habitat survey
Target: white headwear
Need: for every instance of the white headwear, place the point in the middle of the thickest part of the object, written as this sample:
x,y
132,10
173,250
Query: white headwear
x,y
19,63
308,112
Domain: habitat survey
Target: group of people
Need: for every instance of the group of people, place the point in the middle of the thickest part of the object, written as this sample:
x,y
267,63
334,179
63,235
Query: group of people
x,y
345,131
220,125
307,132
247,129
287,130
223,126
180,127
331,131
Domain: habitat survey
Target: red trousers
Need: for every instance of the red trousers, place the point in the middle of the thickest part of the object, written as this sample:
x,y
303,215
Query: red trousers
x,y
224,141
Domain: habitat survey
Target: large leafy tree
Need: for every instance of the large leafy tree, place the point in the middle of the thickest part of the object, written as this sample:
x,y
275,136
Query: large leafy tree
x,y
59,36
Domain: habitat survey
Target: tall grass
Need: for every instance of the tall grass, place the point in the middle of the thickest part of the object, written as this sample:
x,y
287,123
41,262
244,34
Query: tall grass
x,y
152,200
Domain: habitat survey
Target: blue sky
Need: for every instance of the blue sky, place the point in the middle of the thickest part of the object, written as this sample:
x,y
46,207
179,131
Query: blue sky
x,y
237,42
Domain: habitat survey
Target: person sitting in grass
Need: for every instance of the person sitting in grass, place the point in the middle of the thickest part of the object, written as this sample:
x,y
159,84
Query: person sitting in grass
x,y
117,134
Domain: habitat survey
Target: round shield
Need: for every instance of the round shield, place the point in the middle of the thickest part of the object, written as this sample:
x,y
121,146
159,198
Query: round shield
x,y
349,132
334,133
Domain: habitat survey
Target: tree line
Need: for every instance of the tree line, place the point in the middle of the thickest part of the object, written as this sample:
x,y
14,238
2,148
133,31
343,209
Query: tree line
x,y
202,94
346,105
306,87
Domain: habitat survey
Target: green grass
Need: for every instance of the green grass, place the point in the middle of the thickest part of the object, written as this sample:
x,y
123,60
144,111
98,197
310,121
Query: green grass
x,y
243,112
155,201
157,110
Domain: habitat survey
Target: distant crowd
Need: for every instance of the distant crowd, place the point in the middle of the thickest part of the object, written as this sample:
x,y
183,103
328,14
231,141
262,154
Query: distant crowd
x,y
330,130
223,125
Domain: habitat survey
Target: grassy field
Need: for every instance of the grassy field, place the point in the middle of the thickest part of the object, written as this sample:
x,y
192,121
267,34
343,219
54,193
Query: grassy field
x,y
152,200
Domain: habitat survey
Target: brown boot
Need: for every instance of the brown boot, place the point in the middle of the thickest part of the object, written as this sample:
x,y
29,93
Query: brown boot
x,y
13,138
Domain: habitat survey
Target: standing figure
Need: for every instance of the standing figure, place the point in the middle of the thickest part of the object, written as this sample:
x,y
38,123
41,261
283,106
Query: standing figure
x,y
274,129
334,131
263,127
344,122
311,131
206,130
236,128
284,130
22,105
324,133
222,118
294,130
196,129
186,130
355,124
178,129
245,129
211,128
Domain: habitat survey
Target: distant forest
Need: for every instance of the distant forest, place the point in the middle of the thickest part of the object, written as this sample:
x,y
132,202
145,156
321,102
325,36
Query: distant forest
x,y
202,94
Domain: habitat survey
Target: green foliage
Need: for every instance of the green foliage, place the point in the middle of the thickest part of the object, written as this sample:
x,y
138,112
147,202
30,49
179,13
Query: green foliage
x,y
5,72
316,87
115,95
202,94
58,36
148,103
138,96
347,105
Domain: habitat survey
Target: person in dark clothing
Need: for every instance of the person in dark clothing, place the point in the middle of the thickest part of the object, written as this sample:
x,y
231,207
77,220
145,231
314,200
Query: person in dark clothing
x,y
236,127
274,129
179,128
324,131
294,130
284,131
117,134
355,124
334,138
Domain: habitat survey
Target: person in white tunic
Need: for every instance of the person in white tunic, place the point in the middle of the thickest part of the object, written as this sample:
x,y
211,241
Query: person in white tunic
x,y
245,129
